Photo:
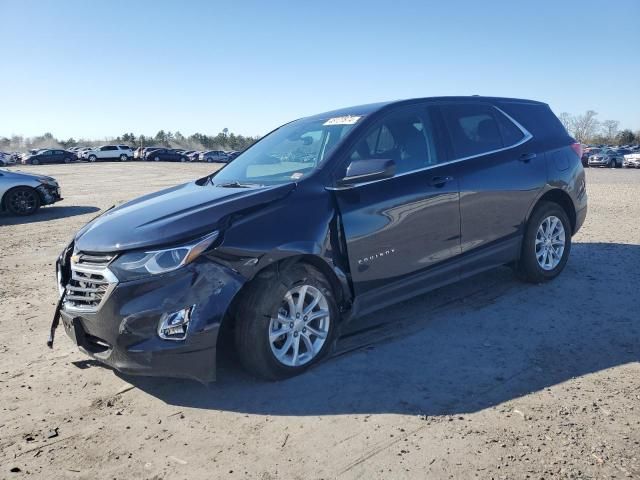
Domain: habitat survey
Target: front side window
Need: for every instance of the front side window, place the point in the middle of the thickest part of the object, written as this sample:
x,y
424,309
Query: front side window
x,y
290,153
476,129
407,137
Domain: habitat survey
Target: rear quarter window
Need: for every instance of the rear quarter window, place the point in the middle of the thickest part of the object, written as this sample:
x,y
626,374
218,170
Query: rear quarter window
x,y
473,129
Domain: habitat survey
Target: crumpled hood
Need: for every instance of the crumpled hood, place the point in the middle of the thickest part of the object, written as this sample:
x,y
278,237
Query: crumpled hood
x,y
171,216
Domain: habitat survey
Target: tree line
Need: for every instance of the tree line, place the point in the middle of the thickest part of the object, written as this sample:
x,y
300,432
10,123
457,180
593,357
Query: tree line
x,y
587,128
224,140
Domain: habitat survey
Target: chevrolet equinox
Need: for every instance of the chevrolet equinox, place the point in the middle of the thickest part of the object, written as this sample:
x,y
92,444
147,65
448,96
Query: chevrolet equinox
x,y
326,218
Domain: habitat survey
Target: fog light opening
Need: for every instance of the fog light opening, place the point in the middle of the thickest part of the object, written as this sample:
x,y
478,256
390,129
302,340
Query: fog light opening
x,y
175,325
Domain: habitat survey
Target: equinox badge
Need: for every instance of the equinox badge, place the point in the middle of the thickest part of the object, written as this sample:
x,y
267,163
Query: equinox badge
x,y
371,258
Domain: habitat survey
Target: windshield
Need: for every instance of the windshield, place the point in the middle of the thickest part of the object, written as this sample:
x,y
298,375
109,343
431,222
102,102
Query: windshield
x,y
288,154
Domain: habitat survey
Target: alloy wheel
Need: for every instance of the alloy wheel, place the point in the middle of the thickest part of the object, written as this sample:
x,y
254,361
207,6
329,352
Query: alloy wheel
x,y
550,241
23,201
301,327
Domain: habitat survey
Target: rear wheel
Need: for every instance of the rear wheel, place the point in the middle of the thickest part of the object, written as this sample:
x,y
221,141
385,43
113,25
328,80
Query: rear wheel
x,y
285,325
546,244
22,201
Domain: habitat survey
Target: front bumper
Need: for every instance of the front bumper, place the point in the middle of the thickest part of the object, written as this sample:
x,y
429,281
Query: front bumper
x,y
49,194
123,332
598,163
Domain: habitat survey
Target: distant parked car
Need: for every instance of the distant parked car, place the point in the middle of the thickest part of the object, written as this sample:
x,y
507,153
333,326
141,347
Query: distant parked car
x,y
194,156
214,156
109,152
137,153
587,152
166,155
49,156
631,160
232,155
6,159
606,158
146,150
24,193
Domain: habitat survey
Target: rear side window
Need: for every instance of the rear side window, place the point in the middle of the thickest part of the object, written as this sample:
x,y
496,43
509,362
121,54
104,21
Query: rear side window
x,y
511,134
473,129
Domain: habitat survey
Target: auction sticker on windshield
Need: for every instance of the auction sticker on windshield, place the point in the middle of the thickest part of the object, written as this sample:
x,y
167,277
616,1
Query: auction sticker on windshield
x,y
347,120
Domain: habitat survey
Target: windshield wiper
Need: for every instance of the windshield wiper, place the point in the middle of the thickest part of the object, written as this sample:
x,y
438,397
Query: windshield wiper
x,y
236,184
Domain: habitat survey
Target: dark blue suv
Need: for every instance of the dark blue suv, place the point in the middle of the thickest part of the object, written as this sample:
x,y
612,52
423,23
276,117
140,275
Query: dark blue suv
x,y
324,219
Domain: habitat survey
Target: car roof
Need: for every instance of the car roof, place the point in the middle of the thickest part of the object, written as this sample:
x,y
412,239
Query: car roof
x,y
367,109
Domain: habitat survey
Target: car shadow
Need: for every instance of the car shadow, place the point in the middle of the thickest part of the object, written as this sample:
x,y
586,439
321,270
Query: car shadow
x,y
462,348
47,213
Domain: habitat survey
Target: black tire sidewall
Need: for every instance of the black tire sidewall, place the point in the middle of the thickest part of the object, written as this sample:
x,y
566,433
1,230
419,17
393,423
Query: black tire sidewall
x,y
260,304
529,268
21,214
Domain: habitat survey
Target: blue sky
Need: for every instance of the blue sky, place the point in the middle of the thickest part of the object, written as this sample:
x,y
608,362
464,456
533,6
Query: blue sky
x,y
102,68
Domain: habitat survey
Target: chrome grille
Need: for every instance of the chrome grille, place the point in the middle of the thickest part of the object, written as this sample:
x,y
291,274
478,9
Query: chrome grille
x,y
91,282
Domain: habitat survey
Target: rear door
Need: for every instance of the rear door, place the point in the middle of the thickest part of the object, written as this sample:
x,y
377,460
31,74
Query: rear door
x,y
398,227
500,175
46,156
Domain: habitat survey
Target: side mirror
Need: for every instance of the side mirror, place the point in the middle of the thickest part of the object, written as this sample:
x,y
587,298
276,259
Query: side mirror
x,y
361,171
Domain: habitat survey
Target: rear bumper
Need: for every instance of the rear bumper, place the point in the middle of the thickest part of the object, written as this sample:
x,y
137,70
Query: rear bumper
x,y
123,332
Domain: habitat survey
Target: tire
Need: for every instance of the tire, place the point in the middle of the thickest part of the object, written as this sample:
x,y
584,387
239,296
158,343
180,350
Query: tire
x,y
35,161
156,159
92,158
264,303
123,158
529,267
67,160
22,201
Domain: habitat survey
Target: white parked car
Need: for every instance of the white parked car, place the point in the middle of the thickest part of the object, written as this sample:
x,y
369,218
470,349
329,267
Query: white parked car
x,y
631,160
6,159
109,152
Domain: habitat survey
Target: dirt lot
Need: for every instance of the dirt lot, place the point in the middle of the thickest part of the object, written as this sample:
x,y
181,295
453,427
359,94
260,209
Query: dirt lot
x,y
490,378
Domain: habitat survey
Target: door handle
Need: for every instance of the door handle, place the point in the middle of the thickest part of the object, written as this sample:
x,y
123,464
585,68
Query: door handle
x,y
527,157
440,181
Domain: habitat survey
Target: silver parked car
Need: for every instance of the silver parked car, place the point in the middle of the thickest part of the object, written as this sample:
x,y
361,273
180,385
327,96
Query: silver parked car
x,y
24,193
606,158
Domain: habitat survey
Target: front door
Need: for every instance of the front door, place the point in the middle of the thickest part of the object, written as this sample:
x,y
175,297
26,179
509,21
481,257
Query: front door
x,y
398,227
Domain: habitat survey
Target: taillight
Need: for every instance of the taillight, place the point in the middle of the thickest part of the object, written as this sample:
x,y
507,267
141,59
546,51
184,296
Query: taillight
x,y
577,147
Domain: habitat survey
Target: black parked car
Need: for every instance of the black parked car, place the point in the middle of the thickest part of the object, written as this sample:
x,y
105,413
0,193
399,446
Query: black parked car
x,y
326,218
165,155
49,156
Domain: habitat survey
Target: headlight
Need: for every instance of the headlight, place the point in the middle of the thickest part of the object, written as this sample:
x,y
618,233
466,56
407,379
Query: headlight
x,y
133,265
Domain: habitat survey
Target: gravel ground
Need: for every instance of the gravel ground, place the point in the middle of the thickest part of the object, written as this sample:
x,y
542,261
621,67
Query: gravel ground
x,y
489,378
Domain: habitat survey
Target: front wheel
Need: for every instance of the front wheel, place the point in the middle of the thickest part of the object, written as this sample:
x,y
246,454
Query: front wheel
x,y
22,201
156,159
35,161
285,325
92,158
123,158
546,244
